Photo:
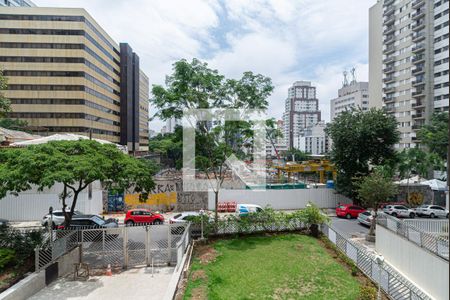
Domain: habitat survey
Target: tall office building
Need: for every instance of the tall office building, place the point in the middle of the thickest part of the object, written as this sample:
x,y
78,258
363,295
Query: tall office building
x,y
415,63
301,111
66,74
26,3
144,96
350,95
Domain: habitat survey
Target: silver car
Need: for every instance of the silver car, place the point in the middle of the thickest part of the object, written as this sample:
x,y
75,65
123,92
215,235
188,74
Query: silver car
x,y
57,218
399,211
432,211
365,218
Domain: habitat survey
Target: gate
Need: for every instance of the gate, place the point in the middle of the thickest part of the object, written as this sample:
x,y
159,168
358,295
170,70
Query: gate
x,y
132,245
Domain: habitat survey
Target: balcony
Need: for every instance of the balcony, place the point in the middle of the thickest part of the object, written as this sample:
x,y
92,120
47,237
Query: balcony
x,y
418,105
418,82
389,49
388,99
388,90
388,3
389,69
418,26
418,36
388,79
388,60
389,30
390,39
389,109
418,70
416,126
417,3
418,116
418,48
418,93
418,59
389,20
389,11
418,14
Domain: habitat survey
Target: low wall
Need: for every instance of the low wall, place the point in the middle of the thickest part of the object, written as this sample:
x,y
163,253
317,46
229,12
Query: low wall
x,y
32,205
32,284
281,199
425,269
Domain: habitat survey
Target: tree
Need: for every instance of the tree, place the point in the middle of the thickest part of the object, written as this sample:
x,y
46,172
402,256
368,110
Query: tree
x,y
75,165
193,85
5,104
375,189
169,145
14,124
294,155
435,135
361,139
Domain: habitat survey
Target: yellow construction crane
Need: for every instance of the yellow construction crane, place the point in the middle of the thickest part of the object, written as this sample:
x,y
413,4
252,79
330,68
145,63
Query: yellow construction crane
x,y
321,167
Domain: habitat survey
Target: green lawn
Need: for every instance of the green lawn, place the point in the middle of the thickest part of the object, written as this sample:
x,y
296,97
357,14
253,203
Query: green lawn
x,y
290,266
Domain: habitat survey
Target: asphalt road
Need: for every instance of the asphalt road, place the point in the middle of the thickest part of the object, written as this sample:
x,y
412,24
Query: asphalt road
x,y
350,228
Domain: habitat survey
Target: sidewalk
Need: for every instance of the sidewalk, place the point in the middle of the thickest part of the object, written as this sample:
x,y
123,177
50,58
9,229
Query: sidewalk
x,y
133,284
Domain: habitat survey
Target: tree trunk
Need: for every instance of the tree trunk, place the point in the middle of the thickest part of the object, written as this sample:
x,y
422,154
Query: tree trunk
x,y
216,203
373,224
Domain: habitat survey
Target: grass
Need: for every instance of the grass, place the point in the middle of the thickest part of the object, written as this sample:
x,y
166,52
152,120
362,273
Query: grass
x,y
290,266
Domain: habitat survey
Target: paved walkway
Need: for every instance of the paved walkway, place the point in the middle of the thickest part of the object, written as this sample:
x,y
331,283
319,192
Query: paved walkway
x,y
131,284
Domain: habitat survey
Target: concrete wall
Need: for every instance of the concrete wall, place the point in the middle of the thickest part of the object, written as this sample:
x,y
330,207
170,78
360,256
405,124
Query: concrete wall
x,y
32,205
281,199
426,270
32,284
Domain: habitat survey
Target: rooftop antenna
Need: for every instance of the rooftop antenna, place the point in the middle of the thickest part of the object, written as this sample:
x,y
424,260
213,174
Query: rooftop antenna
x,y
345,83
353,70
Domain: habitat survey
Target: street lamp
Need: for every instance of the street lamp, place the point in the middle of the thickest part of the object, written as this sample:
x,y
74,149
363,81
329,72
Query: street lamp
x,y
380,260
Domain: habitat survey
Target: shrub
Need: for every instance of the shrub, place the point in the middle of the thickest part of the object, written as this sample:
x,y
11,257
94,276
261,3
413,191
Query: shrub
x,y
367,293
312,215
7,257
22,243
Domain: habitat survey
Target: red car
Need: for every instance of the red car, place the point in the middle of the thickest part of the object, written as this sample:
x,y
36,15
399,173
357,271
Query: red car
x,y
349,211
143,216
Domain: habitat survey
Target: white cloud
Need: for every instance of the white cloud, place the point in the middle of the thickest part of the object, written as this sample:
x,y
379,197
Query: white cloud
x,y
287,40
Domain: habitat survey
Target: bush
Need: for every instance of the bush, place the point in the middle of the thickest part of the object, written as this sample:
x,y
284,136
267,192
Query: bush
x,y
7,257
22,243
367,293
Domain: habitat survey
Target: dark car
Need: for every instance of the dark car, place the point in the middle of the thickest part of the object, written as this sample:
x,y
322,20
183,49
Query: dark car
x,y
4,223
94,228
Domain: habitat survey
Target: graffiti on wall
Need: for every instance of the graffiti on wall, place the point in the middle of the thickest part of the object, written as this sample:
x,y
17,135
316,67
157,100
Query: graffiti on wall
x,y
162,197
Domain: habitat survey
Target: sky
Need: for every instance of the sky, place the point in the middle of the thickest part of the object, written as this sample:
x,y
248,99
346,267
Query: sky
x,y
286,40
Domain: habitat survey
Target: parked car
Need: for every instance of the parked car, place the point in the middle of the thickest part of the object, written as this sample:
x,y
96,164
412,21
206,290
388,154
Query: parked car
x,y
365,218
383,205
4,223
58,218
90,222
245,209
432,211
399,211
143,216
183,217
349,211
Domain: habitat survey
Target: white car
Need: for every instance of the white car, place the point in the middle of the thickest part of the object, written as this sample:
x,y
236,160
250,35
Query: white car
x,y
432,211
399,211
245,209
58,218
183,217
365,218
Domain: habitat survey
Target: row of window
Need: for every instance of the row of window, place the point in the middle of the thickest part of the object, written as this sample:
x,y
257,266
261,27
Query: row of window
x,y
439,3
441,97
65,102
440,38
71,32
44,115
82,130
443,73
441,85
437,51
441,61
45,59
443,25
441,14
48,87
60,18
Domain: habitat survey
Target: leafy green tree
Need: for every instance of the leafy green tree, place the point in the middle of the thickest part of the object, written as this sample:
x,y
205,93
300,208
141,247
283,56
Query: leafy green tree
x,y
375,189
294,154
361,138
435,135
170,146
75,165
193,85
5,104
14,124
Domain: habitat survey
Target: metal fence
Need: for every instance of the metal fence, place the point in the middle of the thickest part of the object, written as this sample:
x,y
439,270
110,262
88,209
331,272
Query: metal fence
x,y
432,226
392,283
432,242
54,245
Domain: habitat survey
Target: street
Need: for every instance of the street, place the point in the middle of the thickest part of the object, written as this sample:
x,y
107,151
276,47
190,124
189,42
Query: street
x,y
350,228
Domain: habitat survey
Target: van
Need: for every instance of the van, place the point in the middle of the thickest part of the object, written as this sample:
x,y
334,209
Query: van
x,y
245,209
